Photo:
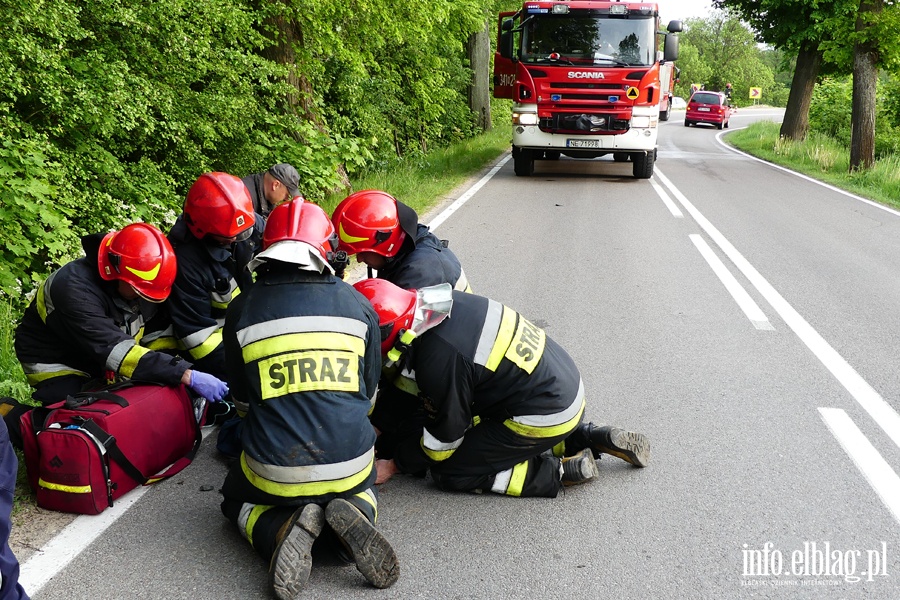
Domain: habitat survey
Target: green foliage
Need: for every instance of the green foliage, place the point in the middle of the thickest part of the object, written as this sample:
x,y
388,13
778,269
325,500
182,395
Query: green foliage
x,y
12,379
829,110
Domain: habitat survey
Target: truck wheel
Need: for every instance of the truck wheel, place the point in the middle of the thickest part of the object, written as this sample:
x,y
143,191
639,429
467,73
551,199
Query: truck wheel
x,y
551,154
523,162
620,156
643,164
664,116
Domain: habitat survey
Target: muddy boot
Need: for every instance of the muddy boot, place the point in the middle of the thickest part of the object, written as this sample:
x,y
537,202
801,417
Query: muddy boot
x,y
292,561
579,468
374,557
629,446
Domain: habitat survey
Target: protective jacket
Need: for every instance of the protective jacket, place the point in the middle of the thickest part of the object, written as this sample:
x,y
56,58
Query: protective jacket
x,y
306,358
423,259
488,362
77,324
209,278
256,188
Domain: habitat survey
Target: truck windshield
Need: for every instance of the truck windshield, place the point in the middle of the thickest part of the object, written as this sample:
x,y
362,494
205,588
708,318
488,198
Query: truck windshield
x,y
593,40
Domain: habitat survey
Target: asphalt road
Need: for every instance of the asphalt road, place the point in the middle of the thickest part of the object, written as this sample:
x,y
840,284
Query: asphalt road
x,y
741,316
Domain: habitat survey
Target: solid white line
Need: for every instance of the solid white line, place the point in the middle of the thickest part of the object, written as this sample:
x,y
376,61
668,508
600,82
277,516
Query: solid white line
x,y
66,545
877,471
807,178
673,208
69,543
871,401
740,295
469,193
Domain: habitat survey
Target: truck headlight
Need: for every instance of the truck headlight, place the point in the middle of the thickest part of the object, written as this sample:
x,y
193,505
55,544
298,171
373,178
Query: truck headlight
x,y
525,118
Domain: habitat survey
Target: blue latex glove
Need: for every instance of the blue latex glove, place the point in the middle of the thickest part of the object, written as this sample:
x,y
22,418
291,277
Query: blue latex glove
x,y
209,386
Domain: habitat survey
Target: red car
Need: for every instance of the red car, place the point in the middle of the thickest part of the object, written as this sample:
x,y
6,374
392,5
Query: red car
x,y
708,107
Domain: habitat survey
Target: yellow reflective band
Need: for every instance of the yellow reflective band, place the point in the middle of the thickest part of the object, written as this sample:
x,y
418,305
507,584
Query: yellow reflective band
x,y
40,304
132,357
69,489
346,237
527,346
36,378
369,499
534,431
163,343
139,335
309,489
308,371
207,347
146,275
503,340
436,455
407,385
559,450
293,341
254,516
517,481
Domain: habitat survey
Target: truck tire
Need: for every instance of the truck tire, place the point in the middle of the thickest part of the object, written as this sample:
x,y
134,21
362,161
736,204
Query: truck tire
x,y
523,162
643,164
620,156
664,116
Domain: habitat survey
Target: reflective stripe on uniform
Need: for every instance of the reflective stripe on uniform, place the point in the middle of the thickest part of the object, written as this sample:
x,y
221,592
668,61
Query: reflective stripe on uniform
x,y
368,496
247,518
201,343
511,481
436,449
221,301
43,302
496,335
161,340
276,327
545,426
327,340
38,372
308,480
124,357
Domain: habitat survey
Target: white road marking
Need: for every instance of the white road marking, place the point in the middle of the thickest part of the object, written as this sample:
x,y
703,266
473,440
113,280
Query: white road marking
x,y
877,471
673,208
740,295
445,214
871,401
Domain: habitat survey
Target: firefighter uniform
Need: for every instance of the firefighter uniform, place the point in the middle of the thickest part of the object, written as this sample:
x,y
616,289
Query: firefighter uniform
x,y
306,358
209,278
78,329
499,395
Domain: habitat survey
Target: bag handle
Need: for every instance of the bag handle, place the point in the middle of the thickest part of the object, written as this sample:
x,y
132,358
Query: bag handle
x,y
83,399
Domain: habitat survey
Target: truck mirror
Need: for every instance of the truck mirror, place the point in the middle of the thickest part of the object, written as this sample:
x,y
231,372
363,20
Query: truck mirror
x,y
671,48
507,25
675,27
506,44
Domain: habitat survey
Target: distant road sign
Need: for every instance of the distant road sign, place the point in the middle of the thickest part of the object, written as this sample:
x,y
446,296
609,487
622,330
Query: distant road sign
x,y
755,93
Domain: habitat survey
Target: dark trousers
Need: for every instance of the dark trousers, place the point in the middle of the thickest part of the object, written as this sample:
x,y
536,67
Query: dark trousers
x,y
9,566
490,448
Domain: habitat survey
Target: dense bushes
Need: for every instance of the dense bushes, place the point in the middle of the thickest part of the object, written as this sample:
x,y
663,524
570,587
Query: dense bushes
x,y
830,113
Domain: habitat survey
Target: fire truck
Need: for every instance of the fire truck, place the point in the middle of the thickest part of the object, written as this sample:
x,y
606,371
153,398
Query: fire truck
x,y
584,78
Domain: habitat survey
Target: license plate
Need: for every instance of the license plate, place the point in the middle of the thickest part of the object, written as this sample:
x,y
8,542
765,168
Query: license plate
x,y
583,143
703,109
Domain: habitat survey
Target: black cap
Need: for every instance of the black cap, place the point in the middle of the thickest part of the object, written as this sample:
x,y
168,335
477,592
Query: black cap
x,y
287,175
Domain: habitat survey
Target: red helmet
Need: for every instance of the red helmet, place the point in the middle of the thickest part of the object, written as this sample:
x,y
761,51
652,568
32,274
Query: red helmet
x,y
219,204
300,221
141,256
395,306
368,221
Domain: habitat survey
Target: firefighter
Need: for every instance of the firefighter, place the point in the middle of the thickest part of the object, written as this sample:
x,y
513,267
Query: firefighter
x,y
214,239
303,350
10,588
505,402
89,319
386,235
270,188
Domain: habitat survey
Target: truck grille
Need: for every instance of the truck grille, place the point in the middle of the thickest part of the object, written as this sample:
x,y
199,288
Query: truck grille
x,y
581,123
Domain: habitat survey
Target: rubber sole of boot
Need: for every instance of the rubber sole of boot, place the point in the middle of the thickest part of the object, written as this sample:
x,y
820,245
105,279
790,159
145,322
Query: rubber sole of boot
x,y
587,468
629,446
292,560
374,557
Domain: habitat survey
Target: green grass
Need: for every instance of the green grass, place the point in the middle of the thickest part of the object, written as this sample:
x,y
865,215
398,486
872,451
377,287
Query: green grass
x,y
424,180
822,158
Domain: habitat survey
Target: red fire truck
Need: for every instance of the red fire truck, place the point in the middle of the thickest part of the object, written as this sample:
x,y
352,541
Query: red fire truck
x,y
584,78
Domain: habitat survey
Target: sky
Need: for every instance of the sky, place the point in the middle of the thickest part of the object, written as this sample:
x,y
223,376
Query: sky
x,y
683,9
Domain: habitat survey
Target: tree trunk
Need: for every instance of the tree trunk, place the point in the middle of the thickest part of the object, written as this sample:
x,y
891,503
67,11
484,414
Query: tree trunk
x,y
865,79
795,125
478,49
301,101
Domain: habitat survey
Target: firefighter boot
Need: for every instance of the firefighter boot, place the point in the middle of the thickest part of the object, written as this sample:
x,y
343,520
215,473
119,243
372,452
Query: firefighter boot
x,y
629,446
579,468
374,557
292,561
